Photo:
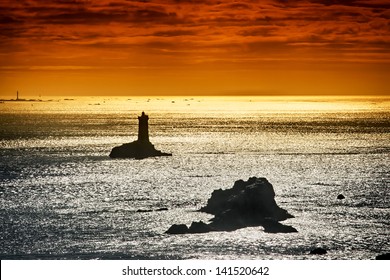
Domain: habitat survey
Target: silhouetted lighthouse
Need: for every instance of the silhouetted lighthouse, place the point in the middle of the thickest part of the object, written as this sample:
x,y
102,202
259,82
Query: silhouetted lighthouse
x,y
141,148
143,130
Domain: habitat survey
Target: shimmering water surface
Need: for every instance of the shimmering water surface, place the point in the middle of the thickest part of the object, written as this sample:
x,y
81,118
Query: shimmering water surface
x,y
61,196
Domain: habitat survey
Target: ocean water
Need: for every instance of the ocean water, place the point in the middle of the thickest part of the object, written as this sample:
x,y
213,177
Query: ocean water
x,y
62,197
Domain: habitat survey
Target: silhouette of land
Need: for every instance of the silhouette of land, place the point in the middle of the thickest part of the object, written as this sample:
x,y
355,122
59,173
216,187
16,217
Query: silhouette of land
x,y
23,100
17,99
249,203
141,148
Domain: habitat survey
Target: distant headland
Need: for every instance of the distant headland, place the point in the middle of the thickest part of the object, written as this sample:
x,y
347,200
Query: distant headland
x,y
17,99
141,148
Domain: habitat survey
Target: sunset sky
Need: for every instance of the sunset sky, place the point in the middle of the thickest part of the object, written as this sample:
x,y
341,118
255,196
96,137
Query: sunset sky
x,y
189,47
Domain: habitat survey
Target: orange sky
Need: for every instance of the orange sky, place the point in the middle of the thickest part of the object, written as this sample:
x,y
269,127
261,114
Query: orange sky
x,y
189,47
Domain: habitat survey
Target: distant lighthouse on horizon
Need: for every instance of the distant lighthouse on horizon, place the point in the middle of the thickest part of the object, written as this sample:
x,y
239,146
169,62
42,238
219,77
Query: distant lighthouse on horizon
x,y
17,95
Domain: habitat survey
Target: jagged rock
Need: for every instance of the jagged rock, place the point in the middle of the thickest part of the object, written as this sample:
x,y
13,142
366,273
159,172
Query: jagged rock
x,y
385,256
272,226
340,196
229,220
248,203
199,227
177,229
137,150
151,210
318,251
144,210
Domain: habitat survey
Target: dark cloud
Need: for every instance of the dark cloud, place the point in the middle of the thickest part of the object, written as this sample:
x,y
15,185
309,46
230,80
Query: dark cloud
x,y
225,26
82,13
173,33
149,15
259,31
354,3
239,6
89,17
196,2
83,17
9,20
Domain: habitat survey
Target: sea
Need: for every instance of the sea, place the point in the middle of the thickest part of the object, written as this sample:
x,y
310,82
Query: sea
x,y
63,197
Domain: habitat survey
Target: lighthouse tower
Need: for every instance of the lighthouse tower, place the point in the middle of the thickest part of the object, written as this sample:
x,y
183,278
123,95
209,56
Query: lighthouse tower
x,y
143,130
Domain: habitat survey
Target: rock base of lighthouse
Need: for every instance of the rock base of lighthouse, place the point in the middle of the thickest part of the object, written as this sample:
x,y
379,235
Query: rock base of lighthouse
x,y
137,150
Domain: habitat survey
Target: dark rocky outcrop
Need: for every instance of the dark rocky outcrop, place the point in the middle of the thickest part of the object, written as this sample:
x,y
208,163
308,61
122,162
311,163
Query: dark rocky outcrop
x,y
318,251
199,227
248,203
151,210
137,150
144,211
177,229
385,256
273,226
340,196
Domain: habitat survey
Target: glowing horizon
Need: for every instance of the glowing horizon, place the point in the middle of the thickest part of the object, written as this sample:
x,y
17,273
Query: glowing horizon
x,y
206,47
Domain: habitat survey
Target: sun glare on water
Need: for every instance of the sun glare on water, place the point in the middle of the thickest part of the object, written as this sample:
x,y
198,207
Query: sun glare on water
x,y
223,105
